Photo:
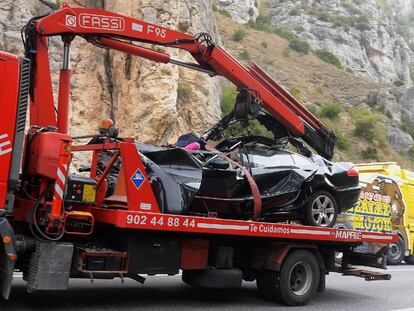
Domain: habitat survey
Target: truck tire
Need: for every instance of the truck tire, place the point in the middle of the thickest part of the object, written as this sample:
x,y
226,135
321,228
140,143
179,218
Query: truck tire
x,y
321,210
213,278
409,260
396,252
295,284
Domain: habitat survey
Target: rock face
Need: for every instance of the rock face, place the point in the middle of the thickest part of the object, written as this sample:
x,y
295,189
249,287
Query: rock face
x,y
369,36
153,102
241,11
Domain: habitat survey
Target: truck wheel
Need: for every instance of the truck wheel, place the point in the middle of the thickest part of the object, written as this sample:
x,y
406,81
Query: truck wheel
x,y
321,210
295,284
396,252
409,260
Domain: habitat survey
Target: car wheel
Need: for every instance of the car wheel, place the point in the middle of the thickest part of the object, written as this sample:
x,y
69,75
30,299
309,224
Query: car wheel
x,y
295,284
321,210
396,252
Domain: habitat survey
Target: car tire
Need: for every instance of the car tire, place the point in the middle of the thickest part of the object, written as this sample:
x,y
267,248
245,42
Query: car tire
x,y
409,260
321,210
396,252
295,284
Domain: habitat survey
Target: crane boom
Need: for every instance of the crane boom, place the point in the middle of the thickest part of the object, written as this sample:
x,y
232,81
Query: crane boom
x,y
115,31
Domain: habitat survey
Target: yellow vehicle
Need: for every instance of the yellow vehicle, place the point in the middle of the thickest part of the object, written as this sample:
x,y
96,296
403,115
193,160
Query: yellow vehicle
x,y
386,204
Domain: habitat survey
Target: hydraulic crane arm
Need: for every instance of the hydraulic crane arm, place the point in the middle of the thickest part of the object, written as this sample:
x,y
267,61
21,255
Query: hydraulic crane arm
x,y
114,31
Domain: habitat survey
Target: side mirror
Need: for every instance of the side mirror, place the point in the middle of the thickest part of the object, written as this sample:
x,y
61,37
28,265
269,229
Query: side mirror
x,y
218,163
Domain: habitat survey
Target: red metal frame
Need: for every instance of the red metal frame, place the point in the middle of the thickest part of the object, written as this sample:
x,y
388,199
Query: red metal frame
x,y
106,28
204,225
9,83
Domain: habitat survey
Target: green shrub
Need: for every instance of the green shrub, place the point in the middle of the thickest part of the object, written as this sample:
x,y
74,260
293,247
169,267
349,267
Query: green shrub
x,y
296,93
370,153
245,55
214,6
372,99
263,23
314,110
328,57
295,11
285,33
399,83
362,23
342,141
363,26
368,125
239,34
331,110
323,16
183,91
225,13
264,45
228,98
410,153
300,46
408,128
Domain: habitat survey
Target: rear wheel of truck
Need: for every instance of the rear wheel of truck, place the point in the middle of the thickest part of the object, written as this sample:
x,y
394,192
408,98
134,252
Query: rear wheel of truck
x,y
396,252
409,260
295,284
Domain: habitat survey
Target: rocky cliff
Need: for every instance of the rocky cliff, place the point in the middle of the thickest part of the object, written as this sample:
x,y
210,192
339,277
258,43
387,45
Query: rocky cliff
x,y
153,102
371,39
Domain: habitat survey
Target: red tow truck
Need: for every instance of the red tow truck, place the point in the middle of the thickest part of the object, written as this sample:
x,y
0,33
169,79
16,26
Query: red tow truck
x,y
55,226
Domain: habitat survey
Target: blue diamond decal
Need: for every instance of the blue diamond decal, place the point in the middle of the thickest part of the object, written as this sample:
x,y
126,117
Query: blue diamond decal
x,y
138,178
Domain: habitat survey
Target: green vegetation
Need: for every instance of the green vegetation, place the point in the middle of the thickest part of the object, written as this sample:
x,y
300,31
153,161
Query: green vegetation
x,y
183,91
408,128
239,34
370,153
228,98
372,99
399,83
328,57
363,23
314,110
410,153
263,45
296,93
383,4
245,55
331,110
299,46
368,125
263,23
342,141
295,11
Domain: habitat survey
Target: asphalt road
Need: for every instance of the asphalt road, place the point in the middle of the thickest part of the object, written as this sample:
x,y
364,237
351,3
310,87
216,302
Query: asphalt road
x,y
170,293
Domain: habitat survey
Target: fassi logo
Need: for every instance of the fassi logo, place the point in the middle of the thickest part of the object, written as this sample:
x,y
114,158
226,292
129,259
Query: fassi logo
x,y
101,22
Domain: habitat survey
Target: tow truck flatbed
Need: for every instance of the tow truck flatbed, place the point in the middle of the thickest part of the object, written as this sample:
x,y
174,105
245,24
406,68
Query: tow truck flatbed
x,y
209,225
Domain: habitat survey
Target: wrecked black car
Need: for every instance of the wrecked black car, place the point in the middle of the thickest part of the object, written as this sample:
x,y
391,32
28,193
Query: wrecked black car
x,y
249,176
291,186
